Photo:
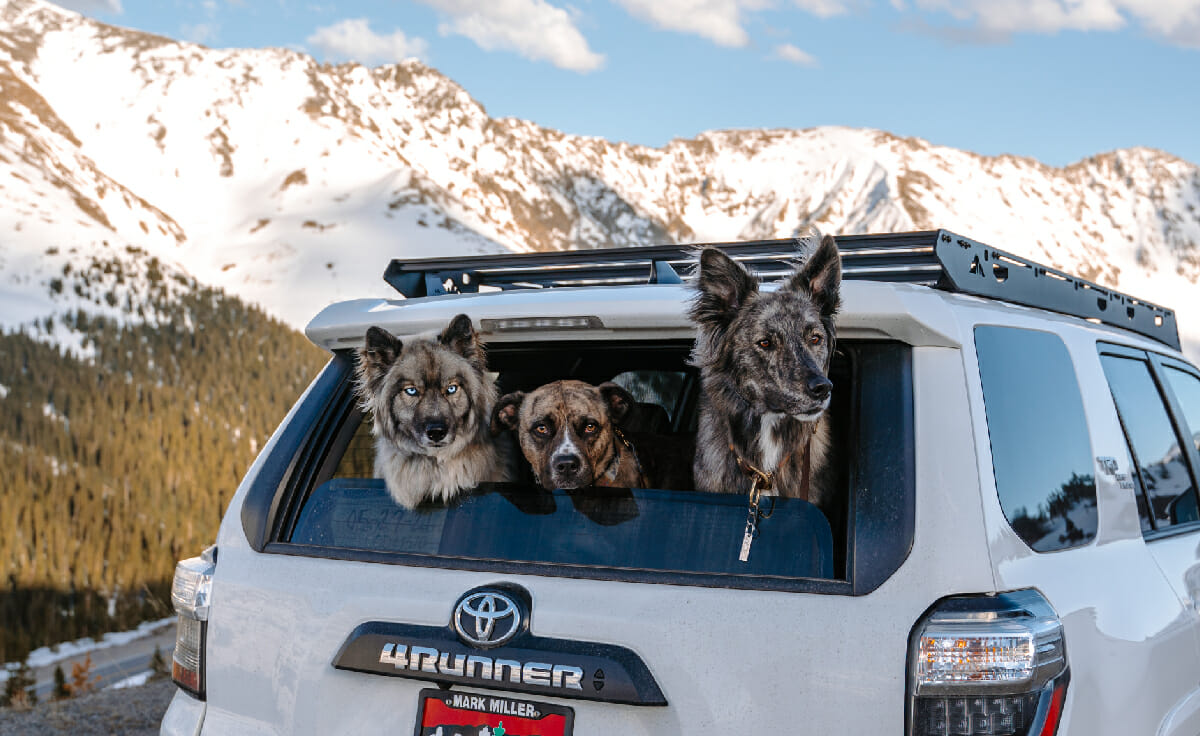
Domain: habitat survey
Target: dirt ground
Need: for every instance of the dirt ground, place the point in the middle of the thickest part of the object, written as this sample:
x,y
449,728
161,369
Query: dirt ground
x,y
134,711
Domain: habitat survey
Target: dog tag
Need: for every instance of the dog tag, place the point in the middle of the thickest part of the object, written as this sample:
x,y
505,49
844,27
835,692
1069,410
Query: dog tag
x,y
748,538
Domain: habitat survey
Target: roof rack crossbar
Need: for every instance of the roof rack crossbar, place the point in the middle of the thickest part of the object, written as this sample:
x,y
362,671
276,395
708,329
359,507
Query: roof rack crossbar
x,y
937,258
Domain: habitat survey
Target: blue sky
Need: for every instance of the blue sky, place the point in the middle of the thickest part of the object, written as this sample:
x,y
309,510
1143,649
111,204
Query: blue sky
x,y
1057,80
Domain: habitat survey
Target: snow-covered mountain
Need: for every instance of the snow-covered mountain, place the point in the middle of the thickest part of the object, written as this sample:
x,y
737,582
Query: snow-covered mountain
x,y
291,183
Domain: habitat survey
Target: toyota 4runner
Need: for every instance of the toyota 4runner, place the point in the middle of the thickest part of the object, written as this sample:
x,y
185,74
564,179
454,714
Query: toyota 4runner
x,y
1019,551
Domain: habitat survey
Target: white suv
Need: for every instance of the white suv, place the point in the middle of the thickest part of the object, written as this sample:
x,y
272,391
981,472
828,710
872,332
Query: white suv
x,y
1019,552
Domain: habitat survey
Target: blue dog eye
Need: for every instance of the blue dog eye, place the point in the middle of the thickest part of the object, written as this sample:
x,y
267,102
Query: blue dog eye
x,y
411,390
452,388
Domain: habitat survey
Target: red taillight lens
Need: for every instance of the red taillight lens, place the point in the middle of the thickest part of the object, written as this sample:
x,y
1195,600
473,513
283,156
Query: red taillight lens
x,y
191,593
988,666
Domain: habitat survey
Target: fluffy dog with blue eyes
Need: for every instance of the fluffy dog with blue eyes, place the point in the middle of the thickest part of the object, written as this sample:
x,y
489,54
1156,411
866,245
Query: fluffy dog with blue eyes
x,y
432,401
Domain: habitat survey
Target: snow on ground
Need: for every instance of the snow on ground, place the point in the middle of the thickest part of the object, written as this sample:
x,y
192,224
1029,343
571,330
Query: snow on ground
x,y
132,681
45,656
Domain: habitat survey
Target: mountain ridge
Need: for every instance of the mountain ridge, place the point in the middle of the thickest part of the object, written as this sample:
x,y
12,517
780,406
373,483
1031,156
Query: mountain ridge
x,y
292,183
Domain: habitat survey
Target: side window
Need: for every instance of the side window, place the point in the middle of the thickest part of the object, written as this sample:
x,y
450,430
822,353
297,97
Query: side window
x,y
1166,494
1187,393
1041,450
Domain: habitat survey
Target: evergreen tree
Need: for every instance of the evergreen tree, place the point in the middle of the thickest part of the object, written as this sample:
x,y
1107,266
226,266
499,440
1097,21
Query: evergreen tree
x,y
61,691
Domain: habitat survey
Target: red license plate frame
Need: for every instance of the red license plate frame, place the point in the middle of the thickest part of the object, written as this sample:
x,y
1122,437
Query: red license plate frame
x,y
468,714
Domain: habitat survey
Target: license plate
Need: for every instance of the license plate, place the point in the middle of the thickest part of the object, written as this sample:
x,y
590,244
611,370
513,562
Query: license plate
x,y
451,713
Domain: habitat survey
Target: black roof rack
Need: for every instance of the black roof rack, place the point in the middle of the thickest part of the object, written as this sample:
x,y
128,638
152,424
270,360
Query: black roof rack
x,y
936,258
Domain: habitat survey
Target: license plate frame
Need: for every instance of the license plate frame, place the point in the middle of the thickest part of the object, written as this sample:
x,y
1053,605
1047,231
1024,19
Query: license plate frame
x,y
527,717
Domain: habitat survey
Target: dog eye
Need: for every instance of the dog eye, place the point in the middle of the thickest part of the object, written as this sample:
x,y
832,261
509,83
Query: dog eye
x,y
766,343
590,428
452,388
541,429
411,390
816,338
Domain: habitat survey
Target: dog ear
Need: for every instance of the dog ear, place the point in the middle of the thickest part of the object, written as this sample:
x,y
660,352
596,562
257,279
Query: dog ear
x,y
461,337
724,286
377,355
821,276
618,400
504,416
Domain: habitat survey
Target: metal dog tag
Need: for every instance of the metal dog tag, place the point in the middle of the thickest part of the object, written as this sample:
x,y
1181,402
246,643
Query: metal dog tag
x,y
748,538
751,522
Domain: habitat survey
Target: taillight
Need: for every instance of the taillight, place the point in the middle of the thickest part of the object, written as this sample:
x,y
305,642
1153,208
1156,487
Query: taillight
x,y
191,594
992,665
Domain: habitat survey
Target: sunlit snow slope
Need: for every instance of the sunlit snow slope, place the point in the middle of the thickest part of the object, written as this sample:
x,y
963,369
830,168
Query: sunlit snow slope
x,y
292,183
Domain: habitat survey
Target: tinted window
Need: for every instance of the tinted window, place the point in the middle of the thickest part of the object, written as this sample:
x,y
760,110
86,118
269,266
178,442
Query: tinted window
x,y
1041,451
1168,497
1187,392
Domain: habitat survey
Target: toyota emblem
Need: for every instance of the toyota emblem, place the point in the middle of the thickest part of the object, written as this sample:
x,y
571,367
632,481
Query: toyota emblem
x,y
487,619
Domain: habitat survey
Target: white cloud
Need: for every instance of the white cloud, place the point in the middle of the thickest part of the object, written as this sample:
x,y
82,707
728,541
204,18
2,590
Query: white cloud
x,y
720,21
1175,20
534,29
353,39
788,52
824,8
92,6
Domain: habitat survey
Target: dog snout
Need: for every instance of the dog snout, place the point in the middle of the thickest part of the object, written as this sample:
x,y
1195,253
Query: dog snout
x,y
819,387
565,465
435,431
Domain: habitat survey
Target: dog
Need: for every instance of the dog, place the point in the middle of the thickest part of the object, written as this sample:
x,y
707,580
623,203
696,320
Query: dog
x,y
569,432
764,360
431,400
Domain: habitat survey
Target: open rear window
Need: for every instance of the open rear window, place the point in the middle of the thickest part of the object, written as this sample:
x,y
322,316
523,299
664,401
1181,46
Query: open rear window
x,y
333,505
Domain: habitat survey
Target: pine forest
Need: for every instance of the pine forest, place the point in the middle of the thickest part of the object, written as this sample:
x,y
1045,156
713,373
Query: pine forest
x,y
118,458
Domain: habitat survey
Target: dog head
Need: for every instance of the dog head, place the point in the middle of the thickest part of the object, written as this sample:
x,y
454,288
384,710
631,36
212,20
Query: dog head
x,y
770,349
566,430
429,394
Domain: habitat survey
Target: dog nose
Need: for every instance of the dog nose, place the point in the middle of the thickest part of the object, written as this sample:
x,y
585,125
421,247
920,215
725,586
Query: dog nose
x,y
819,387
565,464
435,431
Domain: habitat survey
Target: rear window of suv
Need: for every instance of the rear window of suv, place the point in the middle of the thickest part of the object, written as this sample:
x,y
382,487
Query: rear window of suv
x,y
332,505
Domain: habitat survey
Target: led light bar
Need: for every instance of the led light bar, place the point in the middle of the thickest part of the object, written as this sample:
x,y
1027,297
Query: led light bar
x,y
525,324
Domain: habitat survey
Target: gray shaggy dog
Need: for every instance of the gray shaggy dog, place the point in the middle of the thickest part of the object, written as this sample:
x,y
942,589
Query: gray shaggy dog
x,y
432,401
764,361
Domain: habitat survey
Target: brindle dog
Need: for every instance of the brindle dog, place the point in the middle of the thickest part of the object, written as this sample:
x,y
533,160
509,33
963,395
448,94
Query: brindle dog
x,y
568,431
431,400
764,360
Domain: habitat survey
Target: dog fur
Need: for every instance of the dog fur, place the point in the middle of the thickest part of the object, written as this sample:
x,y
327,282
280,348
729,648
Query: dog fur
x,y
567,430
764,360
431,400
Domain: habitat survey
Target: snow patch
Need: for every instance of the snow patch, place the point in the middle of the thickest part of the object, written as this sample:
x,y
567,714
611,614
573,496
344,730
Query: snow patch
x,y
132,681
44,656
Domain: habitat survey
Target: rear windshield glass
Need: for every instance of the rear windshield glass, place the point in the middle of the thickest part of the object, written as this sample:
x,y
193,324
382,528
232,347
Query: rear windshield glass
x,y
634,531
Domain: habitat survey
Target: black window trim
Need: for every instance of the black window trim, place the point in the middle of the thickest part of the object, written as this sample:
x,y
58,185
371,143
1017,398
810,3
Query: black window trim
x,y
274,501
1157,363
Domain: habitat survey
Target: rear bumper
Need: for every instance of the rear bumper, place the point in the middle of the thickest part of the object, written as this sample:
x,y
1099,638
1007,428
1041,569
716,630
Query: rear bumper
x,y
184,717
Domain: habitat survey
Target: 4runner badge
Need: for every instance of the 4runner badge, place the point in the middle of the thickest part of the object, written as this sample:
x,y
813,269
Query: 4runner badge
x,y
487,619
